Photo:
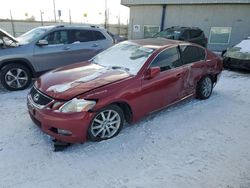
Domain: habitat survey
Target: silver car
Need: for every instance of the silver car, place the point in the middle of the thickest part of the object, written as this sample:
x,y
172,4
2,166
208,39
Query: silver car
x,y
46,48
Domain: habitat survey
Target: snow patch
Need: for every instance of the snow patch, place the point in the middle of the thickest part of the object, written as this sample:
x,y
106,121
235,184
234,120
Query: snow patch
x,y
193,144
66,86
244,45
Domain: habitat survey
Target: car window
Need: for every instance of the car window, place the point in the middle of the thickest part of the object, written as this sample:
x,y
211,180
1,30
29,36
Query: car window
x,y
169,33
195,33
97,35
185,35
192,54
81,36
85,36
167,59
57,37
126,56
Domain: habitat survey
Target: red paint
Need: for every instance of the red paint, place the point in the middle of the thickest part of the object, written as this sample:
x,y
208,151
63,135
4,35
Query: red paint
x,y
143,93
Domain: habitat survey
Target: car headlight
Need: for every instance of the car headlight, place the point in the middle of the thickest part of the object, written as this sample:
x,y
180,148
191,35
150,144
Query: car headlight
x,y
77,105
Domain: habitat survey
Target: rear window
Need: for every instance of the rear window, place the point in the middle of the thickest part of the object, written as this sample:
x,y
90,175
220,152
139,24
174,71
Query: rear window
x,y
98,35
185,35
195,33
81,36
169,33
85,36
192,54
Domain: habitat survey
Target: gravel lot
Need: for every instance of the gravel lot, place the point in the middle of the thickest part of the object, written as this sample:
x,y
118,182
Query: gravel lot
x,y
193,144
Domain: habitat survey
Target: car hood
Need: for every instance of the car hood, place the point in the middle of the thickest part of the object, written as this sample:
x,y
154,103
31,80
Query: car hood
x,y
70,81
240,51
5,34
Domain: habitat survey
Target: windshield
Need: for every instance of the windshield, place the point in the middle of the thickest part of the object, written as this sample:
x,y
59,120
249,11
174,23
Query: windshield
x,y
169,33
32,35
125,55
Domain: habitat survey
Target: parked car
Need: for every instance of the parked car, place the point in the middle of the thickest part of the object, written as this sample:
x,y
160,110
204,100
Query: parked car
x,y
117,38
6,40
46,48
237,56
93,99
189,34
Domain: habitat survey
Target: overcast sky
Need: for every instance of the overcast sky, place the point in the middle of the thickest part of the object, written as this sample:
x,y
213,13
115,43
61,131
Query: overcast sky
x,y
93,8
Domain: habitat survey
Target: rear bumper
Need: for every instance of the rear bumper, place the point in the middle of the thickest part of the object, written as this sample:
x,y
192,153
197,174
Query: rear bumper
x,y
50,121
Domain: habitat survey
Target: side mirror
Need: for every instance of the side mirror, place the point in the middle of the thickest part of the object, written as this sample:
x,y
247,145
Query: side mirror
x,y
152,72
42,43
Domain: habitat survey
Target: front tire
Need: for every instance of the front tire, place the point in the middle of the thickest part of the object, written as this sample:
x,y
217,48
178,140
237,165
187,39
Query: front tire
x,y
204,88
106,124
15,77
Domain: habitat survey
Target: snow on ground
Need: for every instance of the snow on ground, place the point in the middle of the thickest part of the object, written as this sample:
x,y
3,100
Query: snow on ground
x,y
193,144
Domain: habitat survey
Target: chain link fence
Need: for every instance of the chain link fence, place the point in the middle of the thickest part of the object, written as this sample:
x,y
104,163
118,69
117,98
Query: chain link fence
x,y
17,27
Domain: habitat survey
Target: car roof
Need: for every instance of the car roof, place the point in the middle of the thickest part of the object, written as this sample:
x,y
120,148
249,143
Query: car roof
x,y
156,43
73,27
183,28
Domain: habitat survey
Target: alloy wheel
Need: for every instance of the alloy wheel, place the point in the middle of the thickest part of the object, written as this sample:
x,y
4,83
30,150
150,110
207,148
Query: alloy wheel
x,y
16,78
207,87
106,124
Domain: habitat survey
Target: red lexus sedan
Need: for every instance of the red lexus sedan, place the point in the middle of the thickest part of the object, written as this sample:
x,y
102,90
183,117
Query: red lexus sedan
x,y
92,100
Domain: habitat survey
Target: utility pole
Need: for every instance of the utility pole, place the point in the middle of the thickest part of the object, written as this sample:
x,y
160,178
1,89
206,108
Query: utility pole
x,y
59,15
41,13
54,5
106,15
12,23
119,23
69,16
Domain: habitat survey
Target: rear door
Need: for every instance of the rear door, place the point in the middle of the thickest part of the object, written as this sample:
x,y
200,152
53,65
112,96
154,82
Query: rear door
x,y
55,54
193,58
166,87
84,44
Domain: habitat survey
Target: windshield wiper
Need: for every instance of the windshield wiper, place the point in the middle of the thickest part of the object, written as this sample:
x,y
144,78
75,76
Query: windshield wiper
x,y
118,67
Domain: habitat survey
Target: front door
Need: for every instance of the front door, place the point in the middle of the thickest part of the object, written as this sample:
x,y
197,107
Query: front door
x,y
56,54
166,87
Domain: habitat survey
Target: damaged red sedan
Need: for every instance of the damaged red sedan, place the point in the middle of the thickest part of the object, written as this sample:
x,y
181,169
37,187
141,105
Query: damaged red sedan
x,y
92,100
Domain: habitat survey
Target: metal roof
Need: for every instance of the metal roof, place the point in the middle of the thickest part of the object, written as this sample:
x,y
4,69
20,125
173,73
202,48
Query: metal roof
x,y
160,2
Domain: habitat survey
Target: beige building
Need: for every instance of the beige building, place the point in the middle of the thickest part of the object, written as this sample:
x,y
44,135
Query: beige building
x,y
225,22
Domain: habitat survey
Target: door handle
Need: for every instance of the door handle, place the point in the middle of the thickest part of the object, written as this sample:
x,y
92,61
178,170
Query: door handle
x,y
95,45
66,48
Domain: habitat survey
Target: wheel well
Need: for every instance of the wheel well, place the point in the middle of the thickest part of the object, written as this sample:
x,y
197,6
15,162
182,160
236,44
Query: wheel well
x,y
213,77
128,114
19,62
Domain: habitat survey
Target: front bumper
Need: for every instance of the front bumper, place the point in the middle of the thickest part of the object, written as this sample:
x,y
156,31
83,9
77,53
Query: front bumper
x,y
50,121
236,63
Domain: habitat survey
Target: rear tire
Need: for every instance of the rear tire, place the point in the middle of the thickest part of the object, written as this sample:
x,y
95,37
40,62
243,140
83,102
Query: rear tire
x,y
15,77
106,124
204,88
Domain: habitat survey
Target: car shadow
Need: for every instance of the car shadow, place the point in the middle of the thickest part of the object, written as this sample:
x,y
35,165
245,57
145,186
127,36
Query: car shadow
x,y
240,71
132,129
